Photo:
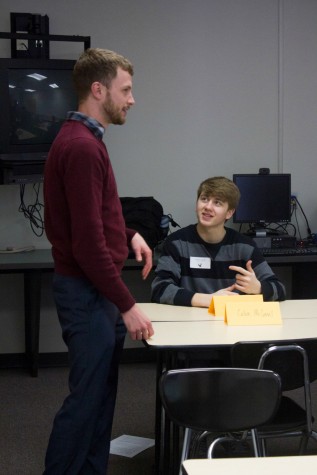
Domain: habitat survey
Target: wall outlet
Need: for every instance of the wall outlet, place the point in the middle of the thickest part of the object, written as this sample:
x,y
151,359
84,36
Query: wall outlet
x,y
294,199
22,45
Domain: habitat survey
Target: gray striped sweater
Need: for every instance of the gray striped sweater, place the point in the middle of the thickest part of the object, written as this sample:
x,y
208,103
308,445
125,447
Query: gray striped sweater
x,y
188,265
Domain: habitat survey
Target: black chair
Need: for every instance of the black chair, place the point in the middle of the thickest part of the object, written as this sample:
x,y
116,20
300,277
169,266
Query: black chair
x,y
296,363
219,400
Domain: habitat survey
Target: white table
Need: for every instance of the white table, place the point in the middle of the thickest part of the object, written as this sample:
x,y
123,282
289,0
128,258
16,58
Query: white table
x,y
216,333
172,313
188,328
299,308
258,466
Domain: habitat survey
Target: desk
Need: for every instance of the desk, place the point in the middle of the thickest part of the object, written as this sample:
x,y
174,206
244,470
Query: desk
x,y
299,308
186,334
170,313
259,466
185,328
191,327
32,264
303,274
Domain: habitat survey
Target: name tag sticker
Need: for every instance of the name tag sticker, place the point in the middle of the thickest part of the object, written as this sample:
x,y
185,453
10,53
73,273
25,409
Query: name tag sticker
x,y
218,303
250,313
200,262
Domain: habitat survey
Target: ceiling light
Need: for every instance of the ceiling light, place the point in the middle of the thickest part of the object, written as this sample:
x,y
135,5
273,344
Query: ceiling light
x,y
37,76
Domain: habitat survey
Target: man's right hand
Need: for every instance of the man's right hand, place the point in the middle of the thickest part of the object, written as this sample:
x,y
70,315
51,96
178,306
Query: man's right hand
x,y
138,324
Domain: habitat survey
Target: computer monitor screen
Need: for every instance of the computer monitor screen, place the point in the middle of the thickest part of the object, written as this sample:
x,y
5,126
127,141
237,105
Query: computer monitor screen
x,y
265,198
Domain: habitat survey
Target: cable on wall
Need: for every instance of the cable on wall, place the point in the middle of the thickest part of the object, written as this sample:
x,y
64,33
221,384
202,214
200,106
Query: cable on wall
x,y
33,211
280,113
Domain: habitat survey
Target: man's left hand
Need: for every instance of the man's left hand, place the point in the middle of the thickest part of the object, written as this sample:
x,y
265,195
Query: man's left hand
x,y
142,253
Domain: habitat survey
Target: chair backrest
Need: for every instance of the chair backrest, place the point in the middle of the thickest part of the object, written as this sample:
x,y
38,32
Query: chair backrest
x,y
220,399
288,359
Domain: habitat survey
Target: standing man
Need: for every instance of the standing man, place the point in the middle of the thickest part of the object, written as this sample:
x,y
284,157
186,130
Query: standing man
x,y
85,225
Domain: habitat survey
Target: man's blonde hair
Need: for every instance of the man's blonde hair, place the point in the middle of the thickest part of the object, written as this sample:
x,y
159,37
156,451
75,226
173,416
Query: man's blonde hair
x,y
222,188
96,64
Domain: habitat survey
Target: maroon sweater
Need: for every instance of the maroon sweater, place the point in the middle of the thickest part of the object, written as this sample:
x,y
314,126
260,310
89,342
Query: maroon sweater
x,y
83,215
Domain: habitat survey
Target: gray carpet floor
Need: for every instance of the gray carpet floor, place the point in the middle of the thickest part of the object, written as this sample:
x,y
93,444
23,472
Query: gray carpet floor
x,y
28,405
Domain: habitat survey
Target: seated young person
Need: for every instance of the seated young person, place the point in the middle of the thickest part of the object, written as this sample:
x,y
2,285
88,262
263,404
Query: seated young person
x,y
208,258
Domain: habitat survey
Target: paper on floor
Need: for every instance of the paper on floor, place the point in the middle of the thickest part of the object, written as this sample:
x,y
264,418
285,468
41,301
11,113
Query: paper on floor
x,y
130,445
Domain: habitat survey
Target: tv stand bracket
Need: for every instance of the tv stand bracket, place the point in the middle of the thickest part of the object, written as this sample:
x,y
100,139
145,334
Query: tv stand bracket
x,y
25,36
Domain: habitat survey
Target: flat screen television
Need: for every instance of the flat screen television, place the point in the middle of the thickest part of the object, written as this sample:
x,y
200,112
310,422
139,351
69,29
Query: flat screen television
x,y
36,95
265,199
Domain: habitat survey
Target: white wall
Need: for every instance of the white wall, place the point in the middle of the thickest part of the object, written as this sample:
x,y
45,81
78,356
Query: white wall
x,y
221,87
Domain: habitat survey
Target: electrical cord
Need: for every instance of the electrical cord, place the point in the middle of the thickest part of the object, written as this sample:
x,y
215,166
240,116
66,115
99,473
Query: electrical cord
x,y
284,226
32,212
171,220
294,216
309,233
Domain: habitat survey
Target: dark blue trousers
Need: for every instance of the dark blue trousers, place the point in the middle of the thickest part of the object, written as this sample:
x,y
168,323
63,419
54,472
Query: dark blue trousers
x,y
94,333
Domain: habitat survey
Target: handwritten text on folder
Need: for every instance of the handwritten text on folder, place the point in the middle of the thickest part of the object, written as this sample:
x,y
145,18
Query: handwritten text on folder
x,y
246,310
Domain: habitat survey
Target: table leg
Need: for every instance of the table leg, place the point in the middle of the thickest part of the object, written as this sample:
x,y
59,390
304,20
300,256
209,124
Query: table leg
x,y
162,422
158,414
32,308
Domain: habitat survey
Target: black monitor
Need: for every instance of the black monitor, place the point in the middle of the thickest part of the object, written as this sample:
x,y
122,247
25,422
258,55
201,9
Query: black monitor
x,y
35,96
265,199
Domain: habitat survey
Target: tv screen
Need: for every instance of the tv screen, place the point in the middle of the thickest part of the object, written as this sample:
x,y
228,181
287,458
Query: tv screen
x,y
36,95
265,198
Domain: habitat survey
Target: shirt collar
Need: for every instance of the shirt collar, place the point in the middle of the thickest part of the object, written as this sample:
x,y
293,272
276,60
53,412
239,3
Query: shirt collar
x,y
96,128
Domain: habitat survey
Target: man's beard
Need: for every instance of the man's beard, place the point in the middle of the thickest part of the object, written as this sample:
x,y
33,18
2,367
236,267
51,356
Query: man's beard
x,y
113,113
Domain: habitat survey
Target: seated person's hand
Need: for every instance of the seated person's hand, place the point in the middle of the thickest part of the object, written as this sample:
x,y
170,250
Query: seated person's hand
x,y
246,280
203,300
226,291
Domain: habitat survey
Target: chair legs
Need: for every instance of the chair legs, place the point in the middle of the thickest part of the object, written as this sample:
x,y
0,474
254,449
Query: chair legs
x,y
259,444
196,443
214,443
185,450
304,441
256,443
228,438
